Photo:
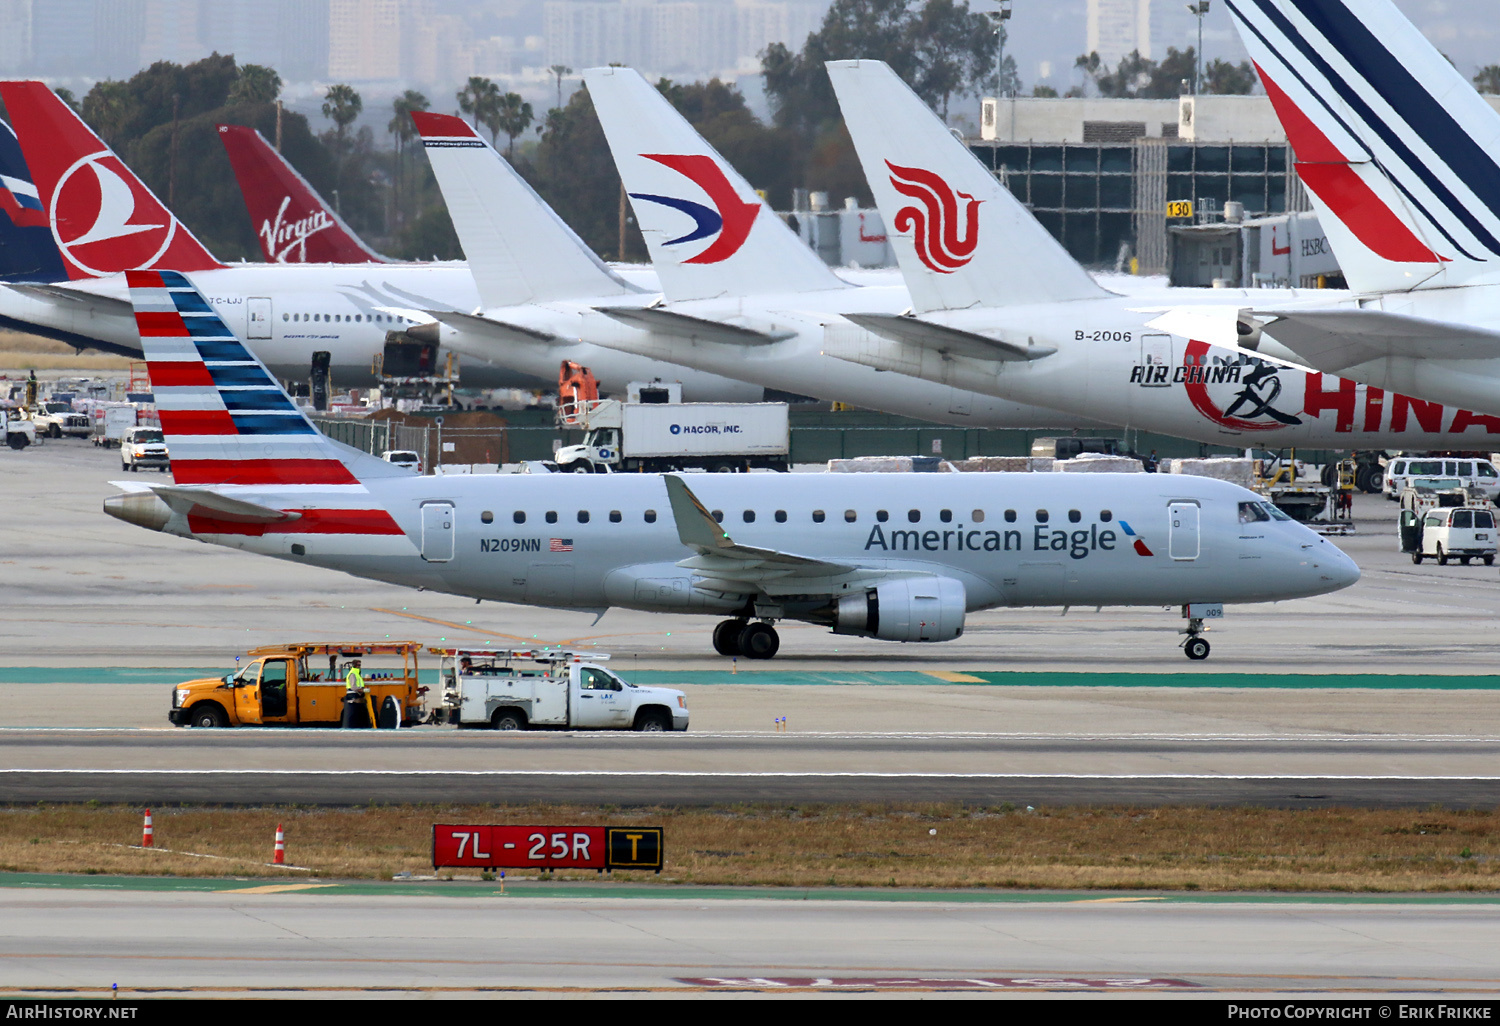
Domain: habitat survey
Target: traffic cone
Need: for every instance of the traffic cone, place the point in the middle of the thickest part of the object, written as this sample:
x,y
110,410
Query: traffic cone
x,y
279,858
146,831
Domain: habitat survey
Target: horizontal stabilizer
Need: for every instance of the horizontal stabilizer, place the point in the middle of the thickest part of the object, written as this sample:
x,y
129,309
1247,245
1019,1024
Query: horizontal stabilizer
x,y
1333,340
94,301
741,332
202,502
943,339
491,328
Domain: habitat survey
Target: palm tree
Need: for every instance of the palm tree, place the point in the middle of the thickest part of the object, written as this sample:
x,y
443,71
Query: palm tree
x,y
404,129
255,84
558,71
478,98
511,115
341,105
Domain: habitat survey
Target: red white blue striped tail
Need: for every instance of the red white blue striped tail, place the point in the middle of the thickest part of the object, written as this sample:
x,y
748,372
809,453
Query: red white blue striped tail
x,y
225,418
1396,148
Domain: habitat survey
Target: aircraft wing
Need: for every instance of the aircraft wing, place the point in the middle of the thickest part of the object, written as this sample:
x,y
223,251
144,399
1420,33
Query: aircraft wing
x,y
943,339
1333,340
670,322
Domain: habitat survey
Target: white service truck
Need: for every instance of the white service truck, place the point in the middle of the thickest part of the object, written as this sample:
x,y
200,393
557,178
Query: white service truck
x,y
58,419
523,689
111,422
17,428
660,437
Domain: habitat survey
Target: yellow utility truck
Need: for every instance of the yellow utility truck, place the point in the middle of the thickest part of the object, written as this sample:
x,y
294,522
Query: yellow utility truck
x,y
293,686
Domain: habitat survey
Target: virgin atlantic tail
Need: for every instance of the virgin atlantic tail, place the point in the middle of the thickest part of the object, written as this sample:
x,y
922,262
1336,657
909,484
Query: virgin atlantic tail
x,y
291,221
961,238
1396,148
104,219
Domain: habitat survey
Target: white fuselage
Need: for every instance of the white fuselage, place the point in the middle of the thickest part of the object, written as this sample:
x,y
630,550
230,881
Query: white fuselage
x,y
1010,539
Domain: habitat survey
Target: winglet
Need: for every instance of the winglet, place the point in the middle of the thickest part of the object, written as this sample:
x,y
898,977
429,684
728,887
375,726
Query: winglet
x,y
696,526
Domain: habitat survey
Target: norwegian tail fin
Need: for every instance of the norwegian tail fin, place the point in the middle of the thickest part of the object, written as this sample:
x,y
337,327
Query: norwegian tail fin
x,y
709,233
28,253
961,238
292,222
225,419
103,217
519,250
1397,150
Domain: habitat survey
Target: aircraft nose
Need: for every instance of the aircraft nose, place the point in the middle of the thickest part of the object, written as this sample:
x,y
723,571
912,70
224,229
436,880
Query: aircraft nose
x,y
1340,571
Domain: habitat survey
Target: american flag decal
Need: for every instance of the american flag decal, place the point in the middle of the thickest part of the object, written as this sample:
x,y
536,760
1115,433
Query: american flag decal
x,y
561,545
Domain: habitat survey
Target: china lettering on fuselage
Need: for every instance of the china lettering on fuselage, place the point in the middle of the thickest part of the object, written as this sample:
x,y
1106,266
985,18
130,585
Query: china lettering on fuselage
x,y
510,545
1078,543
1194,374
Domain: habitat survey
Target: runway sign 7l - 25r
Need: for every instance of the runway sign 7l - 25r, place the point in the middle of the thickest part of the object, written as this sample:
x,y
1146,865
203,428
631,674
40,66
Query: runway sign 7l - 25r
x,y
546,847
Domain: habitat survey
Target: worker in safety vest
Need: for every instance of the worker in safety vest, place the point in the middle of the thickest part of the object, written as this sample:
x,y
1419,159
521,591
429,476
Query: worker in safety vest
x,y
355,679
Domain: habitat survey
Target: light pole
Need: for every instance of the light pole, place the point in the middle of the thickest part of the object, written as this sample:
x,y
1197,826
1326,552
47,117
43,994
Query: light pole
x,y
1198,9
999,17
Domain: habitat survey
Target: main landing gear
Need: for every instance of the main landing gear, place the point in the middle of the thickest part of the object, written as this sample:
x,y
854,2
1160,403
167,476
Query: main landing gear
x,y
757,640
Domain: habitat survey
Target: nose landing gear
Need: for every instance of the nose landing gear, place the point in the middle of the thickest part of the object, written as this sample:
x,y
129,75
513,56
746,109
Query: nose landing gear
x,y
1195,645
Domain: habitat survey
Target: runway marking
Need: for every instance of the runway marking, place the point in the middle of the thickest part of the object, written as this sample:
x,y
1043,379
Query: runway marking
x,y
953,677
1112,901
276,888
758,774
153,850
456,626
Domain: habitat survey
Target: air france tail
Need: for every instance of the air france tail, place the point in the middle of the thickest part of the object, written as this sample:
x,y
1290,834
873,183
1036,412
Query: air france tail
x,y
104,218
290,219
961,238
709,233
1398,151
251,471
518,249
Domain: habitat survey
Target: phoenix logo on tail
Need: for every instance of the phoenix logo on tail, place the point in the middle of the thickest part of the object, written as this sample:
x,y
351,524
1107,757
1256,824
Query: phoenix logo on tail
x,y
934,225
730,217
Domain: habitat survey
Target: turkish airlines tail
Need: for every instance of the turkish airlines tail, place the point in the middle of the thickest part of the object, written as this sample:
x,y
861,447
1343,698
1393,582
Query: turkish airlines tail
x,y
709,233
961,238
226,420
518,249
291,220
104,218
28,253
1397,149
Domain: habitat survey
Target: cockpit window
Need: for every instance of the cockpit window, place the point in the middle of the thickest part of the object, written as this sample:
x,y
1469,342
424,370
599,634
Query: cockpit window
x,y
1252,513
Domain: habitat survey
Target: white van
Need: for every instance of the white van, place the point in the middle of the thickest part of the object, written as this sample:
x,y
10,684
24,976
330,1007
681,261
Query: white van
x,y
143,447
1478,475
1464,533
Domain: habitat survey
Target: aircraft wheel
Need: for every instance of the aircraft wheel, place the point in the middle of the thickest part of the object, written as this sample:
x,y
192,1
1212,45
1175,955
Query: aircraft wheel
x,y
1196,648
759,641
1442,556
727,637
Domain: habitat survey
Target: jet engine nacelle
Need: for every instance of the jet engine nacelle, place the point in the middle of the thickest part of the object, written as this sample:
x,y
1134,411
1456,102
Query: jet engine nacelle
x,y
910,609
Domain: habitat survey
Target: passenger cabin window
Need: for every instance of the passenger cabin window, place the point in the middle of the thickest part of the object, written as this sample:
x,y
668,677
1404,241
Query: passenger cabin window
x,y
1010,516
850,516
719,515
1041,516
781,516
552,516
650,516
882,516
977,516
946,516
914,515
583,516
614,516
1074,516
1105,516
748,516
819,516
487,517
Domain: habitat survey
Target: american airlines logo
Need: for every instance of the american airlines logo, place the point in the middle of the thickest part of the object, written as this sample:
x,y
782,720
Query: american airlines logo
x,y
935,223
281,237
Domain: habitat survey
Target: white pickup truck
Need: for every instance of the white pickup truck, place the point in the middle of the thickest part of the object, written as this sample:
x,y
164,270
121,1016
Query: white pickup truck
x,y
522,689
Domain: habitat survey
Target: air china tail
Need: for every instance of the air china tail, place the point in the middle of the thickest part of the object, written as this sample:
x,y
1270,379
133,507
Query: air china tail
x,y
1397,149
291,221
103,217
961,238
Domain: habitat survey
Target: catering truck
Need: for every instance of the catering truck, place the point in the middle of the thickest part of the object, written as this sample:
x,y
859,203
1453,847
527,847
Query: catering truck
x,y
654,437
287,686
522,689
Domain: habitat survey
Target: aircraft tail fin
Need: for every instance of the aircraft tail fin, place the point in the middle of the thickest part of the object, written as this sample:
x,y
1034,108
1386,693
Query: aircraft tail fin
x,y
1400,154
519,250
961,238
292,222
103,217
225,418
28,253
709,233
